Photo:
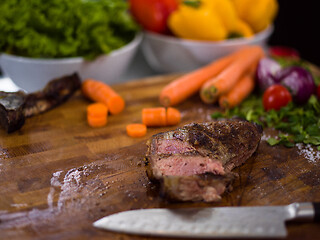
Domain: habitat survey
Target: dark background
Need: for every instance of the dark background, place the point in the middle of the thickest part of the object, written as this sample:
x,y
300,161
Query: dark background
x,y
297,25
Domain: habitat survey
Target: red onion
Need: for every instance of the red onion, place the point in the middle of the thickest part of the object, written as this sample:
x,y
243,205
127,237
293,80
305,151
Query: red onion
x,y
265,74
299,81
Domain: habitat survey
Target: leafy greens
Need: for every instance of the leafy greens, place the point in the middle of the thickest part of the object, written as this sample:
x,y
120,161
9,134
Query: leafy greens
x,y
297,123
60,28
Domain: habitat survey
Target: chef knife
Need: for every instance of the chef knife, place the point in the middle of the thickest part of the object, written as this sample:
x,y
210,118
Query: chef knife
x,y
218,222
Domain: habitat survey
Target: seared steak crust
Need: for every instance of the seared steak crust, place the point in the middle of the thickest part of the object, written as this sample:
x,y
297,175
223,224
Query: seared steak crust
x,y
196,149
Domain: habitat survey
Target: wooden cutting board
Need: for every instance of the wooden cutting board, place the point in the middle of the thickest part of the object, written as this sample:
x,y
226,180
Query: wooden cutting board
x,y
58,175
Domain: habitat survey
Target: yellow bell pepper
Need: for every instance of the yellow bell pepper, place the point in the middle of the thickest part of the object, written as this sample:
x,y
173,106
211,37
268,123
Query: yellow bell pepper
x,y
242,29
226,12
210,20
197,22
259,14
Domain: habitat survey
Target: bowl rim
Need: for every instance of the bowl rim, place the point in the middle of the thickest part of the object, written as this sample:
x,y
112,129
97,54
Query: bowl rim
x,y
189,42
132,44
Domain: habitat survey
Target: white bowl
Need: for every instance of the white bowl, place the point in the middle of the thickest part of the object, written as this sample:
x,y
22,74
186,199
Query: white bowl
x,y
171,54
32,74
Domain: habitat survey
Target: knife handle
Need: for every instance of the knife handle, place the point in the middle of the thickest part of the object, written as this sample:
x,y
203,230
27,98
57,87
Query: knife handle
x,y
316,207
305,211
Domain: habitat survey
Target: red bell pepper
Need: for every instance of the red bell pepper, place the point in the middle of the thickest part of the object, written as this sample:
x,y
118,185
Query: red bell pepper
x,y
152,15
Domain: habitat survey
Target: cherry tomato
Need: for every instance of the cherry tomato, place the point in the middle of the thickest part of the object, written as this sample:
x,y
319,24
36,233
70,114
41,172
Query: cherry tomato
x,y
152,15
276,97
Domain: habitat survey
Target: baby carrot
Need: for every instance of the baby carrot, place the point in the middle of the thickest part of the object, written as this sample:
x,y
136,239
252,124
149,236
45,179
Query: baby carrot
x,y
100,92
154,117
238,93
173,116
136,130
185,86
96,121
97,109
97,114
224,81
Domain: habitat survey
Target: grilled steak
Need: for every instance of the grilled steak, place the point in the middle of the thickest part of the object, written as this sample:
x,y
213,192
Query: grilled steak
x,y
15,107
194,162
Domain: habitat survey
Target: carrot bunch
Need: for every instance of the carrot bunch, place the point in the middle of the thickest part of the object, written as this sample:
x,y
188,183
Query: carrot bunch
x,y
106,101
228,80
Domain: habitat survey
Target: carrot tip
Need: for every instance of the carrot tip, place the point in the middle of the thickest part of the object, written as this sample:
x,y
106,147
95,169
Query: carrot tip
x,y
213,91
224,104
207,96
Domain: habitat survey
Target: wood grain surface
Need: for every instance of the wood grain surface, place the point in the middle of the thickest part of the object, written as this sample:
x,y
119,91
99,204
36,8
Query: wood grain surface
x,y
58,175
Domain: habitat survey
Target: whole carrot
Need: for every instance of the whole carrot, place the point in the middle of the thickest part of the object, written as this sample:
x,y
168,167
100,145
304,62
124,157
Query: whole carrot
x,y
238,93
101,92
185,86
226,79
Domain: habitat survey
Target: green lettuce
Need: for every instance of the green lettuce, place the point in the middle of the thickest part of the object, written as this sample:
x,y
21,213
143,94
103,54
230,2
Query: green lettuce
x,y
64,28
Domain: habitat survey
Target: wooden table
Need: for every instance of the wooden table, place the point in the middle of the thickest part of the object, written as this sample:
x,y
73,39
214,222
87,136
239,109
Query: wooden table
x,y
58,175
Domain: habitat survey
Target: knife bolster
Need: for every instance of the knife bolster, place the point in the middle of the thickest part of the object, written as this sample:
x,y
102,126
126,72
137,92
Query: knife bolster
x,y
302,212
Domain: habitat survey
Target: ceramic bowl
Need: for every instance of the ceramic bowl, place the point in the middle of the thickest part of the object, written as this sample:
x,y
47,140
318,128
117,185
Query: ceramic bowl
x,y
32,74
171,54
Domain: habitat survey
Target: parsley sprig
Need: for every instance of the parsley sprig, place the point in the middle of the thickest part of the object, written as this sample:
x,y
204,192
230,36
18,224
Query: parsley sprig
x,y
296,123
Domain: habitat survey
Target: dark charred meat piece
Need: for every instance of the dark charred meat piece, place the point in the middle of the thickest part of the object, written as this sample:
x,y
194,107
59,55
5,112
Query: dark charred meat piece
x,y
11,110
15,107
199,157
55,92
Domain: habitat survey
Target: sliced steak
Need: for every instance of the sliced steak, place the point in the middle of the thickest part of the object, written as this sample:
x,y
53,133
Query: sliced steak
x,y
205,187
194,162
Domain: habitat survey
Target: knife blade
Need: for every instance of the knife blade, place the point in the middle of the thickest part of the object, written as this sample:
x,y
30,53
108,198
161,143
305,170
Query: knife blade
x,y
217,222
